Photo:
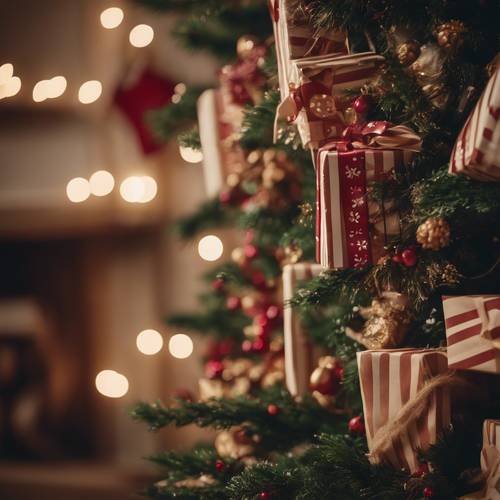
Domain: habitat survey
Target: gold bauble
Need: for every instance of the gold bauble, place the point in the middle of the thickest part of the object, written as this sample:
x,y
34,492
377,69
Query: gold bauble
x,y
439,274
254,156
434,233
408,52
272,378
323,105
233,444
238,255
248,301
450,35
245,46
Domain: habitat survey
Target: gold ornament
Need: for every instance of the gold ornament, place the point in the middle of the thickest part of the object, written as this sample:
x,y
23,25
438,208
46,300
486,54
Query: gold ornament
x,y
450,35
234,443
245,46
238,255
439,274
387,321
408,52
434,233
323,105
324,382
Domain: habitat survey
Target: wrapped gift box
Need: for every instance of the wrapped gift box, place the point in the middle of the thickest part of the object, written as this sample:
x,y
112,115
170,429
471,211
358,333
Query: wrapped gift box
x,y
391,378
314,96
300,355
351,231
473,332
295,38
218,121
477,150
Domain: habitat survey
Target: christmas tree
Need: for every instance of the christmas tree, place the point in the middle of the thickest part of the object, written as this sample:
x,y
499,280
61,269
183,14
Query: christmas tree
x,y
329,139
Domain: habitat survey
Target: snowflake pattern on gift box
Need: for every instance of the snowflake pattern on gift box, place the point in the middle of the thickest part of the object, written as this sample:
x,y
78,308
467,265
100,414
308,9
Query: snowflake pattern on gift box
x,y
352,172
357,202
354,217
359,260
355,232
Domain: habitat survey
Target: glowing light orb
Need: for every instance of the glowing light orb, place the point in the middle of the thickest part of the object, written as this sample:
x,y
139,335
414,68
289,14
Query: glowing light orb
x,y
101,183
90,91
111,384
210,248
149,342
111,18
190,155
150,189
141,35
180,346
78,189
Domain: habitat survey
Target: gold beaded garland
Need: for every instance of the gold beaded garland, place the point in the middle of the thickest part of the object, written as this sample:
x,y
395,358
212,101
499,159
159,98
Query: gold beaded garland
x,y
323,105
408,52
449,35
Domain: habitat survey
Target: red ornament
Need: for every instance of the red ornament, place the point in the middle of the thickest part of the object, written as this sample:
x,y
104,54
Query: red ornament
x,y
249,236
273,311
218,284
258,279
233,303
409,257
225,197
260,345
273,409
214,368
251,251
397,258
220,465
264,495
327,380
225,347
362,104
428,492
357,425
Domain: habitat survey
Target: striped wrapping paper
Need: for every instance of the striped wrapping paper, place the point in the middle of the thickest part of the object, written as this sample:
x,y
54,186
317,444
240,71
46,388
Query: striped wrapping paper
x,y
295,38
216,122
491,437
477,150
389,379
344,237
473,332
334,73
300,355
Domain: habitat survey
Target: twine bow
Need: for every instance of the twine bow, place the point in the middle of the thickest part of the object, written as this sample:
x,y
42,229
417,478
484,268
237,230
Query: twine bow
x,y
410,413
490,322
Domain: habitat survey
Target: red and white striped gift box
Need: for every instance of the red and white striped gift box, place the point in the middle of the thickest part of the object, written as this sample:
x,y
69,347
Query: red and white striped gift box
x,y
473,332
477,150
300,355
491,437
217,121
344,235
390,378
295,38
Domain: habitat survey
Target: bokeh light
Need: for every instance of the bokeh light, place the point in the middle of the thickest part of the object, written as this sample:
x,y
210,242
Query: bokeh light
x,y
190,155
210,248
132,189
111,384
90,91
141,35
78,189
180,346
101,183
6,73
149,342
55,87
112,17
150,189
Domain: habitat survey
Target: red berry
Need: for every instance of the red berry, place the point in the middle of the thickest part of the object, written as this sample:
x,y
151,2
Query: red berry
x,y
264,495
428,492
409,257
273,409
273,311
214,368
397,258
220,465
357,425
218,284
362,104
251,251
233,303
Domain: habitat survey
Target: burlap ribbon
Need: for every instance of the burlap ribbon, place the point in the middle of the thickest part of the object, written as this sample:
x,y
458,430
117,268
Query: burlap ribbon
x,y
409,413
